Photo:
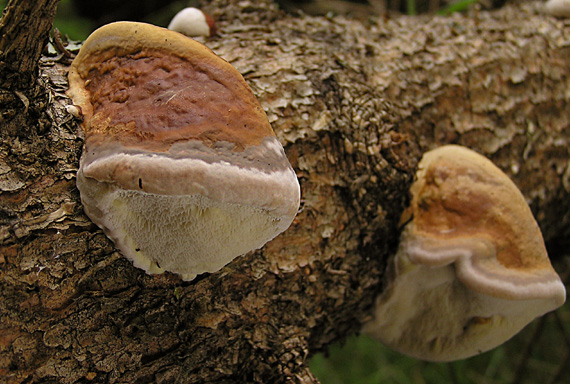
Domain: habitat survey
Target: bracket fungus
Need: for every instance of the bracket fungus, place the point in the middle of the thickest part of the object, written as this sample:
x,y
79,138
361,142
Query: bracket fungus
x,y
193,22
471,269
180,166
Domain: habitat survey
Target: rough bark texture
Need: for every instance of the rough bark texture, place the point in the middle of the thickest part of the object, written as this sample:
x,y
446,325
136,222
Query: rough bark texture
x,y
24,32
355,105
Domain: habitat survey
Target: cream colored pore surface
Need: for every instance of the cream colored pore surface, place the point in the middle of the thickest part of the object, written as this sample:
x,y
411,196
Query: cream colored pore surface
x,y
429,314
188,235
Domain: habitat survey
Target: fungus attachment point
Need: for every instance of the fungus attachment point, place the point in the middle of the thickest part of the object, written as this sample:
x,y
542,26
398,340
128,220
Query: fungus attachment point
x,y
180,167
471,269
193,22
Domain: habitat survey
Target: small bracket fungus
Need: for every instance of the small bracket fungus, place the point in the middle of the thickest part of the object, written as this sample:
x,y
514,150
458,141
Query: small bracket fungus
x,y
471,269
180,167
193,22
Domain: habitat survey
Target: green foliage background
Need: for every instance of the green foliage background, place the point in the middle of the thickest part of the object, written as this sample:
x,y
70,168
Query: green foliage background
x,y
67,21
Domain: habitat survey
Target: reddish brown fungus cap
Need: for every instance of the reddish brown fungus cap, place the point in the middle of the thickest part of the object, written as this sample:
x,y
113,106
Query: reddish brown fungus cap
x,y
471,269
168,121
148,86
461,198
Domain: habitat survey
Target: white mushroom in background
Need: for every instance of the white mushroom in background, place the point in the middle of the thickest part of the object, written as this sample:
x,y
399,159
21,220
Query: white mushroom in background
x,y
471,269
558,8
193,22
180,167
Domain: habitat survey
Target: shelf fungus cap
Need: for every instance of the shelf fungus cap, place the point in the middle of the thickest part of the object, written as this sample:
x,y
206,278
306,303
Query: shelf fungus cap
x,y
193,22
471,269
180,166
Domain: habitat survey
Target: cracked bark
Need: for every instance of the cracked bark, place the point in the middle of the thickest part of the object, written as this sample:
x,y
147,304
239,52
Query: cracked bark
x,y
355,104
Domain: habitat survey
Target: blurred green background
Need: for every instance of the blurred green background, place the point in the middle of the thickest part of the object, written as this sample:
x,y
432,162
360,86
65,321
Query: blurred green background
x,y
539,354
68,21
78,18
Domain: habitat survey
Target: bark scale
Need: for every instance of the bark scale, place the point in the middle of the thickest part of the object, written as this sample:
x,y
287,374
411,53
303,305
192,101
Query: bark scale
x,y
355,105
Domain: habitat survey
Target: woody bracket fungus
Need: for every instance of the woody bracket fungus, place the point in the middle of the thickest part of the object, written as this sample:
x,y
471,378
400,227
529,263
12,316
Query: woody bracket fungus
x,y
471,269
193,22
180,167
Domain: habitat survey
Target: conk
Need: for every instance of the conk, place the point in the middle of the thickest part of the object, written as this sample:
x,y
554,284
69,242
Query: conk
x,y
471,269
180,167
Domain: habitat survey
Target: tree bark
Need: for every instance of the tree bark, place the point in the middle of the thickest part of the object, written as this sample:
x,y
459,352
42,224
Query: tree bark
x,y
355,105
24,31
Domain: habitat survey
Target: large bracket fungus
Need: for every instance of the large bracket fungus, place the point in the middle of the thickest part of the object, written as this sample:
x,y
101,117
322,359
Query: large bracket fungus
x,y
471,269
180,167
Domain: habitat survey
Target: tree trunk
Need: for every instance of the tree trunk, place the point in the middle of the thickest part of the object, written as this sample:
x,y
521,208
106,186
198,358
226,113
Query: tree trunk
x,y
355,105
24,31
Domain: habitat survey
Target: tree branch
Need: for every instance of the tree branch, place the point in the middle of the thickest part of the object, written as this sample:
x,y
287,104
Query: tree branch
x,y
24,30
